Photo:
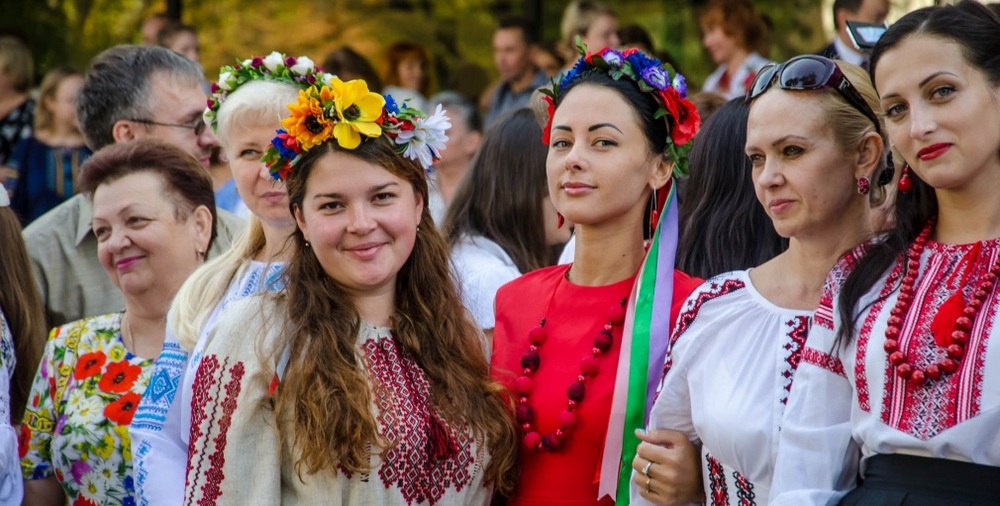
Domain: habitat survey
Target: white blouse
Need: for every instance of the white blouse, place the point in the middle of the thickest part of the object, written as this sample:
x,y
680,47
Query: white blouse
x,y
848,404
481,267
161,427
729,368
11,488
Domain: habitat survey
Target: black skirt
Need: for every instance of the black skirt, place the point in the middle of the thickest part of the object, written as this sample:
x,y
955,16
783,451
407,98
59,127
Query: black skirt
x,y
905,480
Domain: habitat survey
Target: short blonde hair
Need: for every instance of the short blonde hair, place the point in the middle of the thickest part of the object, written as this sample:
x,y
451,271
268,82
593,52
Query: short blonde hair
x,y
260,102
16,62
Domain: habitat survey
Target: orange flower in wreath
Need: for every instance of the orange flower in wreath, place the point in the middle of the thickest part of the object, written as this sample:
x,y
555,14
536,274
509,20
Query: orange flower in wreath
x,y
308,123
89,364
119,377
122,410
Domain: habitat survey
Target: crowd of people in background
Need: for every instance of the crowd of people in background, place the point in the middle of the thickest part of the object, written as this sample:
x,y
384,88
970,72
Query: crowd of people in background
x,y
590,282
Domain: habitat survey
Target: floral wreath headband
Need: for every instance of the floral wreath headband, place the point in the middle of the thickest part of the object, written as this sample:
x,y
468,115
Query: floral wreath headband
x,y
301,72
346,111
659,79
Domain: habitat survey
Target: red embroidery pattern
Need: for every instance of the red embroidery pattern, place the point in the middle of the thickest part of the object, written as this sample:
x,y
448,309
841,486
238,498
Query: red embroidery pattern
x,y
834,280
796,340
717,288
744,490
926,411
426,457
860,373
823,360
717,482
214,474
206,420
201,393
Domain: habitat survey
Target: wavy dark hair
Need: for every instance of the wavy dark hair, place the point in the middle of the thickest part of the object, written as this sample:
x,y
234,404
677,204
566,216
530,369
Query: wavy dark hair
x,y
723,226
326,388
975,29
501,196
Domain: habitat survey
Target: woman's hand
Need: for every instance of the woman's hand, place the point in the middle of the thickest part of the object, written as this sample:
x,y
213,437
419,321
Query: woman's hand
x,y
668,468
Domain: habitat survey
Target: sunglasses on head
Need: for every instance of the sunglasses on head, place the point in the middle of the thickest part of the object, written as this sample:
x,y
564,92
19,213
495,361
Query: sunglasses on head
x,y
810,72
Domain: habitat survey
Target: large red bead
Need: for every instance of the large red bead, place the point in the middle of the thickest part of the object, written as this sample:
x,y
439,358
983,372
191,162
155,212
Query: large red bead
x,y
948,366
890,345
970,313
934,372
904,371
892,332
959,337
897,310
537,335
532,440
918,378
617,314
523,385
567,420
576,391
963,323
956,351
590,366
894,321
602,342
897,357
531,360
525,414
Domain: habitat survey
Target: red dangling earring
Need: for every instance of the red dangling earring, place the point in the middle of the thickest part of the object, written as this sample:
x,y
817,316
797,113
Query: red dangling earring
x,y
864,185
562,220
905,183
654,215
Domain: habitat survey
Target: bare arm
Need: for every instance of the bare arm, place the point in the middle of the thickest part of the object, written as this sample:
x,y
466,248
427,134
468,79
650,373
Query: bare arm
x,y
44,492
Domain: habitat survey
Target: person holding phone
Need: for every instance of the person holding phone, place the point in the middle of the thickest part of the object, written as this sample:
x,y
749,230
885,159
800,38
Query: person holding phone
x,y
862,11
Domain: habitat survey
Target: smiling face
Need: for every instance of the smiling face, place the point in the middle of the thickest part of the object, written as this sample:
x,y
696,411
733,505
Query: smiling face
x,y
942,114
801,176
141,243
600,168
264,197
361,221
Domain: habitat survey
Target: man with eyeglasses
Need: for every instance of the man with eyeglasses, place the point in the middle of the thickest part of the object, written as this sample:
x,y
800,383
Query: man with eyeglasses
x,y
130,92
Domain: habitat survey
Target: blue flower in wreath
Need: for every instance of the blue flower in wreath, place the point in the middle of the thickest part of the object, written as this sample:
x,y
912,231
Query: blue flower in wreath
x,y
640,62
680,84
656,77
613,58
390,105
580,67
283,151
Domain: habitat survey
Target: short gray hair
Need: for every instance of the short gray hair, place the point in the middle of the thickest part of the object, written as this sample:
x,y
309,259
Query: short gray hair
x,y
117,87
460,107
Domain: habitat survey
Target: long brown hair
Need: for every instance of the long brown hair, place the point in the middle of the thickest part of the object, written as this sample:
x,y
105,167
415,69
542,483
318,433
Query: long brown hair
x,y
325,387
22,307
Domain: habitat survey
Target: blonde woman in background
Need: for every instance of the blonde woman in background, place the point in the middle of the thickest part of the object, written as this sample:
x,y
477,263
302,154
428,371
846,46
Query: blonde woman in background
x,y
245,123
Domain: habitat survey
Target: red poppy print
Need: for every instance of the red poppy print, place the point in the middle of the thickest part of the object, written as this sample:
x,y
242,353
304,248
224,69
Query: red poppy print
x,y
23,440
119,377
83,501
89,364
122,410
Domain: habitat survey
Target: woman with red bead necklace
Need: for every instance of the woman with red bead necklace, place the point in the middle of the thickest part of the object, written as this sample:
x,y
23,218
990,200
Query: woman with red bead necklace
x,y
558,340
902,383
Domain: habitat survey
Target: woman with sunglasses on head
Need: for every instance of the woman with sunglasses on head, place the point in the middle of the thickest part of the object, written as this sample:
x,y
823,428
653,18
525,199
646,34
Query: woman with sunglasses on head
x,y
579,369
364,381
899,375
246,106
734,352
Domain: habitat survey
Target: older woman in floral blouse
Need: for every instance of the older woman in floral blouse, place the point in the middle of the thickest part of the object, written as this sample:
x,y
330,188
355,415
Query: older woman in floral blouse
x,y
154,215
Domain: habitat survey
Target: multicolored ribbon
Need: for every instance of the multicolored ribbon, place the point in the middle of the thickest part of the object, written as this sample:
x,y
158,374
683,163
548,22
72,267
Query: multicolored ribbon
x,y
644,346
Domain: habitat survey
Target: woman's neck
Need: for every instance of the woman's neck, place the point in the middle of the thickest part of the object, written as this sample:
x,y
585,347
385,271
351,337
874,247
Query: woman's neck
x,y
377,307
145,329
606,254
275,239
970,214
794,279
59,136
736,61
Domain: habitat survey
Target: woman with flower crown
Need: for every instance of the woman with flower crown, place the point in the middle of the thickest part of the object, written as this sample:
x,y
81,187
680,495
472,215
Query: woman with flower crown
x,y
899,378
247,102
580,345
364,381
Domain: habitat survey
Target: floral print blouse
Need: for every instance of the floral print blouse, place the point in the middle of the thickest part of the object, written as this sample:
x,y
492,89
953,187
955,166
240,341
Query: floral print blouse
x,y
81,403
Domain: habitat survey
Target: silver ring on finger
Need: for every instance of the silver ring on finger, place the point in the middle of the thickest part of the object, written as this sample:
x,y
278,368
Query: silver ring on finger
x,y
645,468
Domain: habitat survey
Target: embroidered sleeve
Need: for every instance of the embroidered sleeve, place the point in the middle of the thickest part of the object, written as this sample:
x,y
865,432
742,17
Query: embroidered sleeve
x,y
42,411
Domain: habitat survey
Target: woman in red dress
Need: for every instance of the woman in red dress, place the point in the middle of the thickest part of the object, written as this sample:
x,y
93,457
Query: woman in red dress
x,y
618,129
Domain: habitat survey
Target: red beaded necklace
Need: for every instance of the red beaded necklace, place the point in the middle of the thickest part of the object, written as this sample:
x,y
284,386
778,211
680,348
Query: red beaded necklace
x,y
954,343
589,367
